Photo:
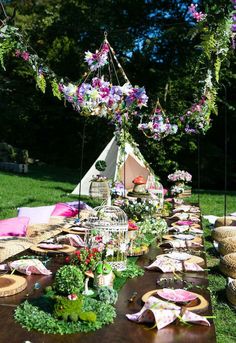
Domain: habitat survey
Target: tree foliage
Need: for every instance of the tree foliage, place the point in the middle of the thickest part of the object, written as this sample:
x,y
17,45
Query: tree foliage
x,y
153,42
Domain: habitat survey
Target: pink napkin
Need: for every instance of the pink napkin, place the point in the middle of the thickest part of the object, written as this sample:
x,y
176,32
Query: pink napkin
x,y
168,265
29,266
71,239
187,222
164,313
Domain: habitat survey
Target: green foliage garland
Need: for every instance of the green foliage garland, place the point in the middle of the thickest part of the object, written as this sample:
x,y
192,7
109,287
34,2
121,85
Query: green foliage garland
x,y
33,318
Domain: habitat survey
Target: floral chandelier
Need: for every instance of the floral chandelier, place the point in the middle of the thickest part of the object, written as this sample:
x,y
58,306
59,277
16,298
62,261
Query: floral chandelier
x,y
100,97
158,126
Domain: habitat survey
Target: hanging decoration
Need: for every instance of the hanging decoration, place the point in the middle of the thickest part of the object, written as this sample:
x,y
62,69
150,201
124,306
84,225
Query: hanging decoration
x,y
158,126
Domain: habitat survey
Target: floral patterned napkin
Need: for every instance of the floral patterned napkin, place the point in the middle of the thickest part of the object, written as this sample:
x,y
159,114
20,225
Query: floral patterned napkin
x,y
178,243
29,266
168,265
71,239
164,313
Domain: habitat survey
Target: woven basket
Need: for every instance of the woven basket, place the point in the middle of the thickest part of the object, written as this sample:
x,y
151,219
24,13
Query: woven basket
x,y
231,292
228,265
225,221
227,246
99,190
186,193
222,232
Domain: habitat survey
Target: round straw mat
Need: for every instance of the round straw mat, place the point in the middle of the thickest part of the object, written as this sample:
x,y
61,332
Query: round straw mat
x,y
225,221
228,265
231,292
201,304
11,284
10,246
222,232
227,246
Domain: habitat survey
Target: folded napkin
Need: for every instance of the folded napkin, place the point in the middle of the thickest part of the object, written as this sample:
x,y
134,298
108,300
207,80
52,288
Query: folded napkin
x,y
187,222
168,265
178,243
164,313
179,228
29,266
71,239
186,208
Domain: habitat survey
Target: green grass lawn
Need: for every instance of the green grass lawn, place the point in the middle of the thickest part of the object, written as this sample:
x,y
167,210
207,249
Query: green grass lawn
x,y
47,185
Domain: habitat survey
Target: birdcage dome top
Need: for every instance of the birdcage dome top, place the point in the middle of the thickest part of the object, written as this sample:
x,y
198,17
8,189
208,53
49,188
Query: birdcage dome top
x,y
110,218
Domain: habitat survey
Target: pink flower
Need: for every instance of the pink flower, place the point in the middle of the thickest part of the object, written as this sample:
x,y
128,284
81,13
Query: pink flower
x,y
25,55
17,53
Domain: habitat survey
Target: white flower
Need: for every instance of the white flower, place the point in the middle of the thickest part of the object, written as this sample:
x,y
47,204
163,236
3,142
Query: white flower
x,y
123,247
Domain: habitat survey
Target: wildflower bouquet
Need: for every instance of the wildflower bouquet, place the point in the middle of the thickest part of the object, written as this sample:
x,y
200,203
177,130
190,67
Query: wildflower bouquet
x,y
85,258
180,176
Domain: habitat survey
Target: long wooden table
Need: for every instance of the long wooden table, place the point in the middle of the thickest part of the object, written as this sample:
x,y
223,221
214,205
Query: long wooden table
x,y
122,330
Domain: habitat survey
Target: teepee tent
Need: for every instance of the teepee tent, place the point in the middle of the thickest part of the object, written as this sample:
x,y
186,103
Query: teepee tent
x,y
123,164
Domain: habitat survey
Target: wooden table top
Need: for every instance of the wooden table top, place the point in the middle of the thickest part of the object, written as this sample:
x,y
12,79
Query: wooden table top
x,y
122,330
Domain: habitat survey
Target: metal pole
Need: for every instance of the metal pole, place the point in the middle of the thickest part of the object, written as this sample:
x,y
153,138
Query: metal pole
x,y
226,158
198,168
81,167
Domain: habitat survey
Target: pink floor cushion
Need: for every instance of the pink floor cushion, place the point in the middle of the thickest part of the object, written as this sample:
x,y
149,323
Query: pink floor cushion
x,y
14,226
65,210
37,215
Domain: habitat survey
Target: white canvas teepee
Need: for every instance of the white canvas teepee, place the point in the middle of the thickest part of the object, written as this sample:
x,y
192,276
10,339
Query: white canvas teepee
x,y
122,165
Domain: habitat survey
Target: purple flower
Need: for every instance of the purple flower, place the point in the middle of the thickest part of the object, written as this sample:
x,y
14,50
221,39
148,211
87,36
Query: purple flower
x,y
233,28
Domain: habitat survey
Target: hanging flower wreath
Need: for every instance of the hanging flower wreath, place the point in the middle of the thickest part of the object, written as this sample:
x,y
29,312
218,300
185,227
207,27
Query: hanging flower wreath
x,y
158,126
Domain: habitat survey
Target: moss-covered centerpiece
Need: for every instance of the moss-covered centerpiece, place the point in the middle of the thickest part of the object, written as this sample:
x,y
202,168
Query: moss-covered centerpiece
x,y
63,309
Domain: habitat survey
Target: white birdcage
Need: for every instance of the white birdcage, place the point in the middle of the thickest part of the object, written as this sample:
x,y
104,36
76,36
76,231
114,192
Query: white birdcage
x,y
156,189
108,228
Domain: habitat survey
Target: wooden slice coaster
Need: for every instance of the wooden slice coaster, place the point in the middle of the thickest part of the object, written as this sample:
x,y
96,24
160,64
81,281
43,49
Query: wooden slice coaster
x,y
74,232
197,306
67,249
11,284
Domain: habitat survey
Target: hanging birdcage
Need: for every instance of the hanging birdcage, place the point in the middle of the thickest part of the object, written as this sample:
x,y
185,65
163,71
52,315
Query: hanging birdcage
x,y
108,228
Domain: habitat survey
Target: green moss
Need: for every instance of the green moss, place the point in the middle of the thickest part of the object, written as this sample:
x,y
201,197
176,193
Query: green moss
x,y
72,310
33,317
